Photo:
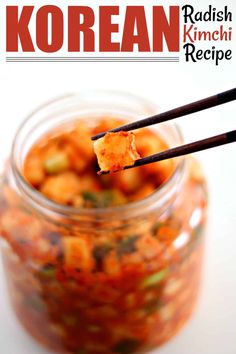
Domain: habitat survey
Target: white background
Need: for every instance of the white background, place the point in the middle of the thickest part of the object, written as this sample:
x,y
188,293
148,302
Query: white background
x,y
25,86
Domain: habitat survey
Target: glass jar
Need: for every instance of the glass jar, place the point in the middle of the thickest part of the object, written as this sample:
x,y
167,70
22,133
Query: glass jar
x,y
135,299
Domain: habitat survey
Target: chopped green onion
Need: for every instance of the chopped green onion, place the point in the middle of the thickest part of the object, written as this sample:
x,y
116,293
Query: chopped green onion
x,y
156,227
127,245
154,279
89,197
152,306
103,199
48,271
57,163
100,252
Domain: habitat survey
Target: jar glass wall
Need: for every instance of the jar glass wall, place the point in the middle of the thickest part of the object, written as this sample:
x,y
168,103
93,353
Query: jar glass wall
x,y
110,280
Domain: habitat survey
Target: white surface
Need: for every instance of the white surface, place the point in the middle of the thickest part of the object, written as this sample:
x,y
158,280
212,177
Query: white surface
x,y
24,86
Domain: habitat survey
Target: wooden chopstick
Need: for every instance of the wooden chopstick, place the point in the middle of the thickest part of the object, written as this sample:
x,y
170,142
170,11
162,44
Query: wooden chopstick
x,y
190,108
186,149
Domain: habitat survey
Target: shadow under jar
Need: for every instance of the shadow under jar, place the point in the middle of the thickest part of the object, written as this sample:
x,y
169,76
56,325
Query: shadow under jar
x,y
144,257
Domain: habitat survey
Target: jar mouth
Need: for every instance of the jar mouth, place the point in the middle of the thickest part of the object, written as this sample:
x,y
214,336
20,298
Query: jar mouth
x,y
42,204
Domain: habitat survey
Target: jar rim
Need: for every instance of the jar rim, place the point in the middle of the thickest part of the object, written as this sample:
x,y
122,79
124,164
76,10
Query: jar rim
x,y
42,203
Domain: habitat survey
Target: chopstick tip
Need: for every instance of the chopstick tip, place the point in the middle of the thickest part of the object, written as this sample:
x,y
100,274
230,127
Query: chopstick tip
x,y
98,136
